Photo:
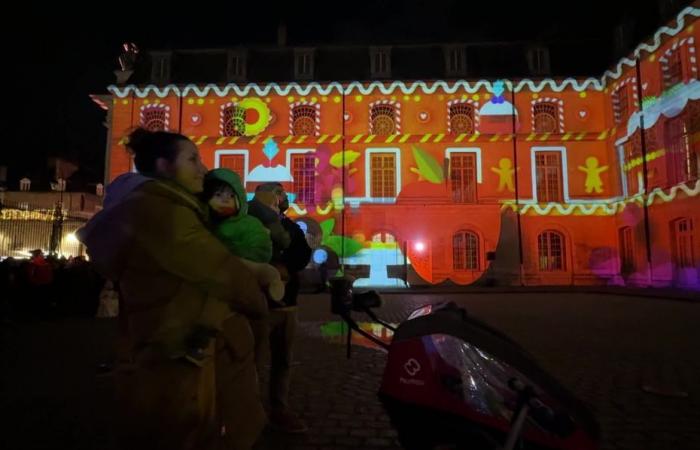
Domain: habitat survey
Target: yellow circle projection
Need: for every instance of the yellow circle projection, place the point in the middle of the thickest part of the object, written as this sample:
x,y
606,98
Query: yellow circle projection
x,y
257,105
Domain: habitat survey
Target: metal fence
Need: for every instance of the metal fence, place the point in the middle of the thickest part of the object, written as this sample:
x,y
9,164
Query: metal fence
x,y
23,229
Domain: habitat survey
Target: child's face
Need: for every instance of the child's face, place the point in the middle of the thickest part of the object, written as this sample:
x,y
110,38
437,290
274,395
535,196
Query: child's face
x,y
224,202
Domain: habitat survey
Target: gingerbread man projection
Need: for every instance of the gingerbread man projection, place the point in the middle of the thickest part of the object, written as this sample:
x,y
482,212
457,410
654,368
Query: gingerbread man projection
x,y
592,171
505,174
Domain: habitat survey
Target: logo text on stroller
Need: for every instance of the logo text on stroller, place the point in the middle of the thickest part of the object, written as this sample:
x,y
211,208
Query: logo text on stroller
x,y
411,367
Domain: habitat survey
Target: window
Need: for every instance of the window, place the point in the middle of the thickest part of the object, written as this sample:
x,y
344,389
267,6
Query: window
x,y
237,65
548,176
682,241
232,120
160,68
622,99
674,68
463,177
633,158
681,160
633,155
456,60
380,61
383,119
627,265
693,115
551,251
383,173
303,172
304,119
304,64
545,117
465,251
236,163
155,117
461,117
538,60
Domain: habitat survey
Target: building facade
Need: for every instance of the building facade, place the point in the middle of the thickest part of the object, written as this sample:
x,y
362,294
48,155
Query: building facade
x,y
498,181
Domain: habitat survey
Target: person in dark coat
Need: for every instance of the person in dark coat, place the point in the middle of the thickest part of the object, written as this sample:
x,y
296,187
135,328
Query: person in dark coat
x,y
291,254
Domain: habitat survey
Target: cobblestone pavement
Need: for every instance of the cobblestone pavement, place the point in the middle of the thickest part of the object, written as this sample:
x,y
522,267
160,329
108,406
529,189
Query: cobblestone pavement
x,y
604,348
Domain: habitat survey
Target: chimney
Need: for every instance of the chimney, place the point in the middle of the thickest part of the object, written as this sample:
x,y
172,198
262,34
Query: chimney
x,y
282,35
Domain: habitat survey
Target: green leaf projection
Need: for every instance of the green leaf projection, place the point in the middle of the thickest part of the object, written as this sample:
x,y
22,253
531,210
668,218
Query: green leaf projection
x,y
428,167
327,227
341,245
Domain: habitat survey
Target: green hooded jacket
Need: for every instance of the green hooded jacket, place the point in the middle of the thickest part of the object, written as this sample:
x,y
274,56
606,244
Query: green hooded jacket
x,y
244,235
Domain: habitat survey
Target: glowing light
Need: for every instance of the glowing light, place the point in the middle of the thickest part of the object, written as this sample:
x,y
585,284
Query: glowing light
x,y
320,256
71,238
200,101
419,246
358,98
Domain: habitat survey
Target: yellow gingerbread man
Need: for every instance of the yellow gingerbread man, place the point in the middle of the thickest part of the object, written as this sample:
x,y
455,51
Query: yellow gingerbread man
x,y
593,181
505,173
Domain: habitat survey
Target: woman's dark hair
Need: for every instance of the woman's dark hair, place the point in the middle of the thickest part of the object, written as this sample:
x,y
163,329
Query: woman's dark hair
x,y
148,146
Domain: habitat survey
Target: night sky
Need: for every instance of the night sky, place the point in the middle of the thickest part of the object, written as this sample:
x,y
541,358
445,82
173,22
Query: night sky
x,y
61,58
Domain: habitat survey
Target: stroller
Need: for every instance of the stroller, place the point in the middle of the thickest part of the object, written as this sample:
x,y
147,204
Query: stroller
x,y
453,382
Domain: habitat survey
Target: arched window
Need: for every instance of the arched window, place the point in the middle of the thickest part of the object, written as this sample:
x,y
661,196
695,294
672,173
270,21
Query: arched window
x,y
232,120
678,63
155,117
465,250
621,103
304,120
384,119
461,118
551,251
545,117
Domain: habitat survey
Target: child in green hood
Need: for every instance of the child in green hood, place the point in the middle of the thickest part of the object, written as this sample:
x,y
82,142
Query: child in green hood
x,y
246,237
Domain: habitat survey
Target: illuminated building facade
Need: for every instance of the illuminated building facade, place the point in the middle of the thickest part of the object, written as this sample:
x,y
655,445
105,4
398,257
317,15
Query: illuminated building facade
x,y
499,181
